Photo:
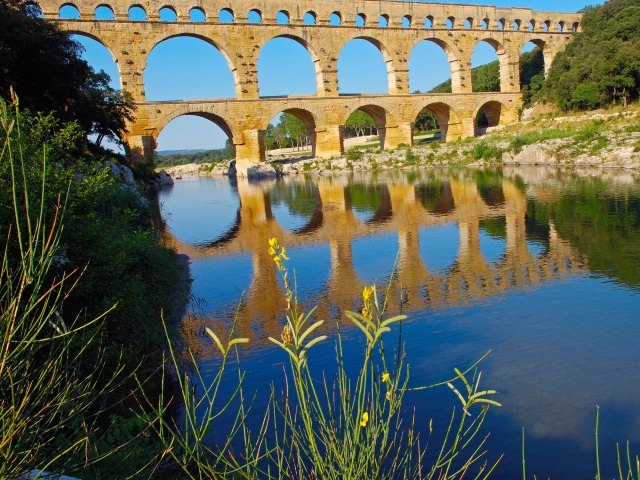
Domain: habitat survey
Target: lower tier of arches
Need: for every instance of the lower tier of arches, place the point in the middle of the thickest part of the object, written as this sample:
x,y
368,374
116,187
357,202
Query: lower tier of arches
x,y
245,121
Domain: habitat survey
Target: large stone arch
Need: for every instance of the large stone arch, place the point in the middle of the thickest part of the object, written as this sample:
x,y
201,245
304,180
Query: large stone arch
x,y
378,113
452,57
384,51
503,58
93,36
494,111
221,48
543,45
228,128
312,53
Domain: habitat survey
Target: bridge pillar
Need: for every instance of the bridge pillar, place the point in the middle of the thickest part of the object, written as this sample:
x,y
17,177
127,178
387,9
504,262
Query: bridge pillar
x,y
140,148
333,197
510,70
395,135
252,150
329,141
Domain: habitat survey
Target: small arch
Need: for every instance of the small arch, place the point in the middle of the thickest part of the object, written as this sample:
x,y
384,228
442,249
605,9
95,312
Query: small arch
x,y
335,19
546,25
137,13
488,115
532,25
428,120
406,21
168,14
310,18
219,122
69,11
575,27
428,22
32,9
501,24
104,13
254,16
383,21
295,129
374,113
485,24
226,15
517,24
361,20
197,15
282,17
468,23
561,26
451,23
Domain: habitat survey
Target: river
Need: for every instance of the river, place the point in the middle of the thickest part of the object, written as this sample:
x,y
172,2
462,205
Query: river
x,y
540,267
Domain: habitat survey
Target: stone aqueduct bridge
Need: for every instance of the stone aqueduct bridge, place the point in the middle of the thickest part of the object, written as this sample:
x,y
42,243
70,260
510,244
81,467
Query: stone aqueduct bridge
x,y
470,277
457,29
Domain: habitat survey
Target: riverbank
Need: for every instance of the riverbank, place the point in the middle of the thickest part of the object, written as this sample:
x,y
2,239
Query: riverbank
x,y
601,139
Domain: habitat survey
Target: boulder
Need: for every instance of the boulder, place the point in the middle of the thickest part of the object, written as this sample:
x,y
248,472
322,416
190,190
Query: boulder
x,y
164,179
289,169
536,154
256,171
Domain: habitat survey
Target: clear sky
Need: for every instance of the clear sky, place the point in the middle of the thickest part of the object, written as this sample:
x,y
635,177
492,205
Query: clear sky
x,y
186,68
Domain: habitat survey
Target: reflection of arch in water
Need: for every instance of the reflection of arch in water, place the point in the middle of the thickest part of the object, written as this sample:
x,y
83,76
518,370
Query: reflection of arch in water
x,y
436,198
281,193
492,194
365,198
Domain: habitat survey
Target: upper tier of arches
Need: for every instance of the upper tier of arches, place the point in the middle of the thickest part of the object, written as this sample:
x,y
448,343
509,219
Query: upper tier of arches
x,y
365,14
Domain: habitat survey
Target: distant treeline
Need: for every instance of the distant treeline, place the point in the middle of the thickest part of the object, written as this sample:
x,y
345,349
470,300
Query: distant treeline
x,y
208,156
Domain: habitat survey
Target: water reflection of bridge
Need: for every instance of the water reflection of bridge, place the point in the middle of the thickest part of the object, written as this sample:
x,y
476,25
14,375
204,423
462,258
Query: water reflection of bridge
x,y
406,209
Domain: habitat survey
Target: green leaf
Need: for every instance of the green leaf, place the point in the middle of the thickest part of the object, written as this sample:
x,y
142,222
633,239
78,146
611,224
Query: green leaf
x,y
314,341
216,339
309,330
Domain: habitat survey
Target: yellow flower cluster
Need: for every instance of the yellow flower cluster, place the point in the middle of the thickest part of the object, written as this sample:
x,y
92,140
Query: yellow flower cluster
x,y
278,253
367,295
286,335
365,420
386,378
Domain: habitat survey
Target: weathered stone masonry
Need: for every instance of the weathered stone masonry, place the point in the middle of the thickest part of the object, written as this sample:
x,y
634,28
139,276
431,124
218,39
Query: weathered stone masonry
x,y
457,29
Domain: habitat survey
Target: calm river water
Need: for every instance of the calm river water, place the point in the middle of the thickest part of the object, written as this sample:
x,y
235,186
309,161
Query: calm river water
x,y
540,267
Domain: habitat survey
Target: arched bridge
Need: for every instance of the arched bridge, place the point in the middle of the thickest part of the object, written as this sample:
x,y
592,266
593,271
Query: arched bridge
x,y
323,28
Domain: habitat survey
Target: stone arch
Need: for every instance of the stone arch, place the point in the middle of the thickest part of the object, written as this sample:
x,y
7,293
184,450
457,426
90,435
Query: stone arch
x,y
188,110
104,10
501,24
226,15
561,26
386,57
517,24
361,19
546,26
217,46
310,18
33,9
406,21
546,52
312,53
493,113
428,22
72,9
450,23
383,20
379,116
254,16
101,42
484,25
575,27
468,23
502,58
335,19
307,118
197,14
170,11
532,25
283,17
137,10
443,114
452,57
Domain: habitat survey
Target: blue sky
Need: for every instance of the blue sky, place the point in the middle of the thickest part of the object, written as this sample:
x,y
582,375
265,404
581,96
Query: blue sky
x,y
186,68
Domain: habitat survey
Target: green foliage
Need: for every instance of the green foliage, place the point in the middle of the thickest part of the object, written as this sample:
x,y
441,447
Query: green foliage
x,y
486,78
289,132
44,67
411,158
486,151
602,64
354,154
426,121
529,138
359,124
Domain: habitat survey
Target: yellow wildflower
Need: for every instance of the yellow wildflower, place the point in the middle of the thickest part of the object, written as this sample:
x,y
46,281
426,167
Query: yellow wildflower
x,y
273,243
283,253
286,335
388,395
365,419
272,252
386,377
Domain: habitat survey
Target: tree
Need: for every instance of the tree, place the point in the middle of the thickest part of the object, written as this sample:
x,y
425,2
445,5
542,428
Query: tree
x,y
358,123
426,121
43,66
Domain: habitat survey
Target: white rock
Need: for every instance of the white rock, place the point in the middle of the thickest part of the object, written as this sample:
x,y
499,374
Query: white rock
x,y
256,170
164,178
537,154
